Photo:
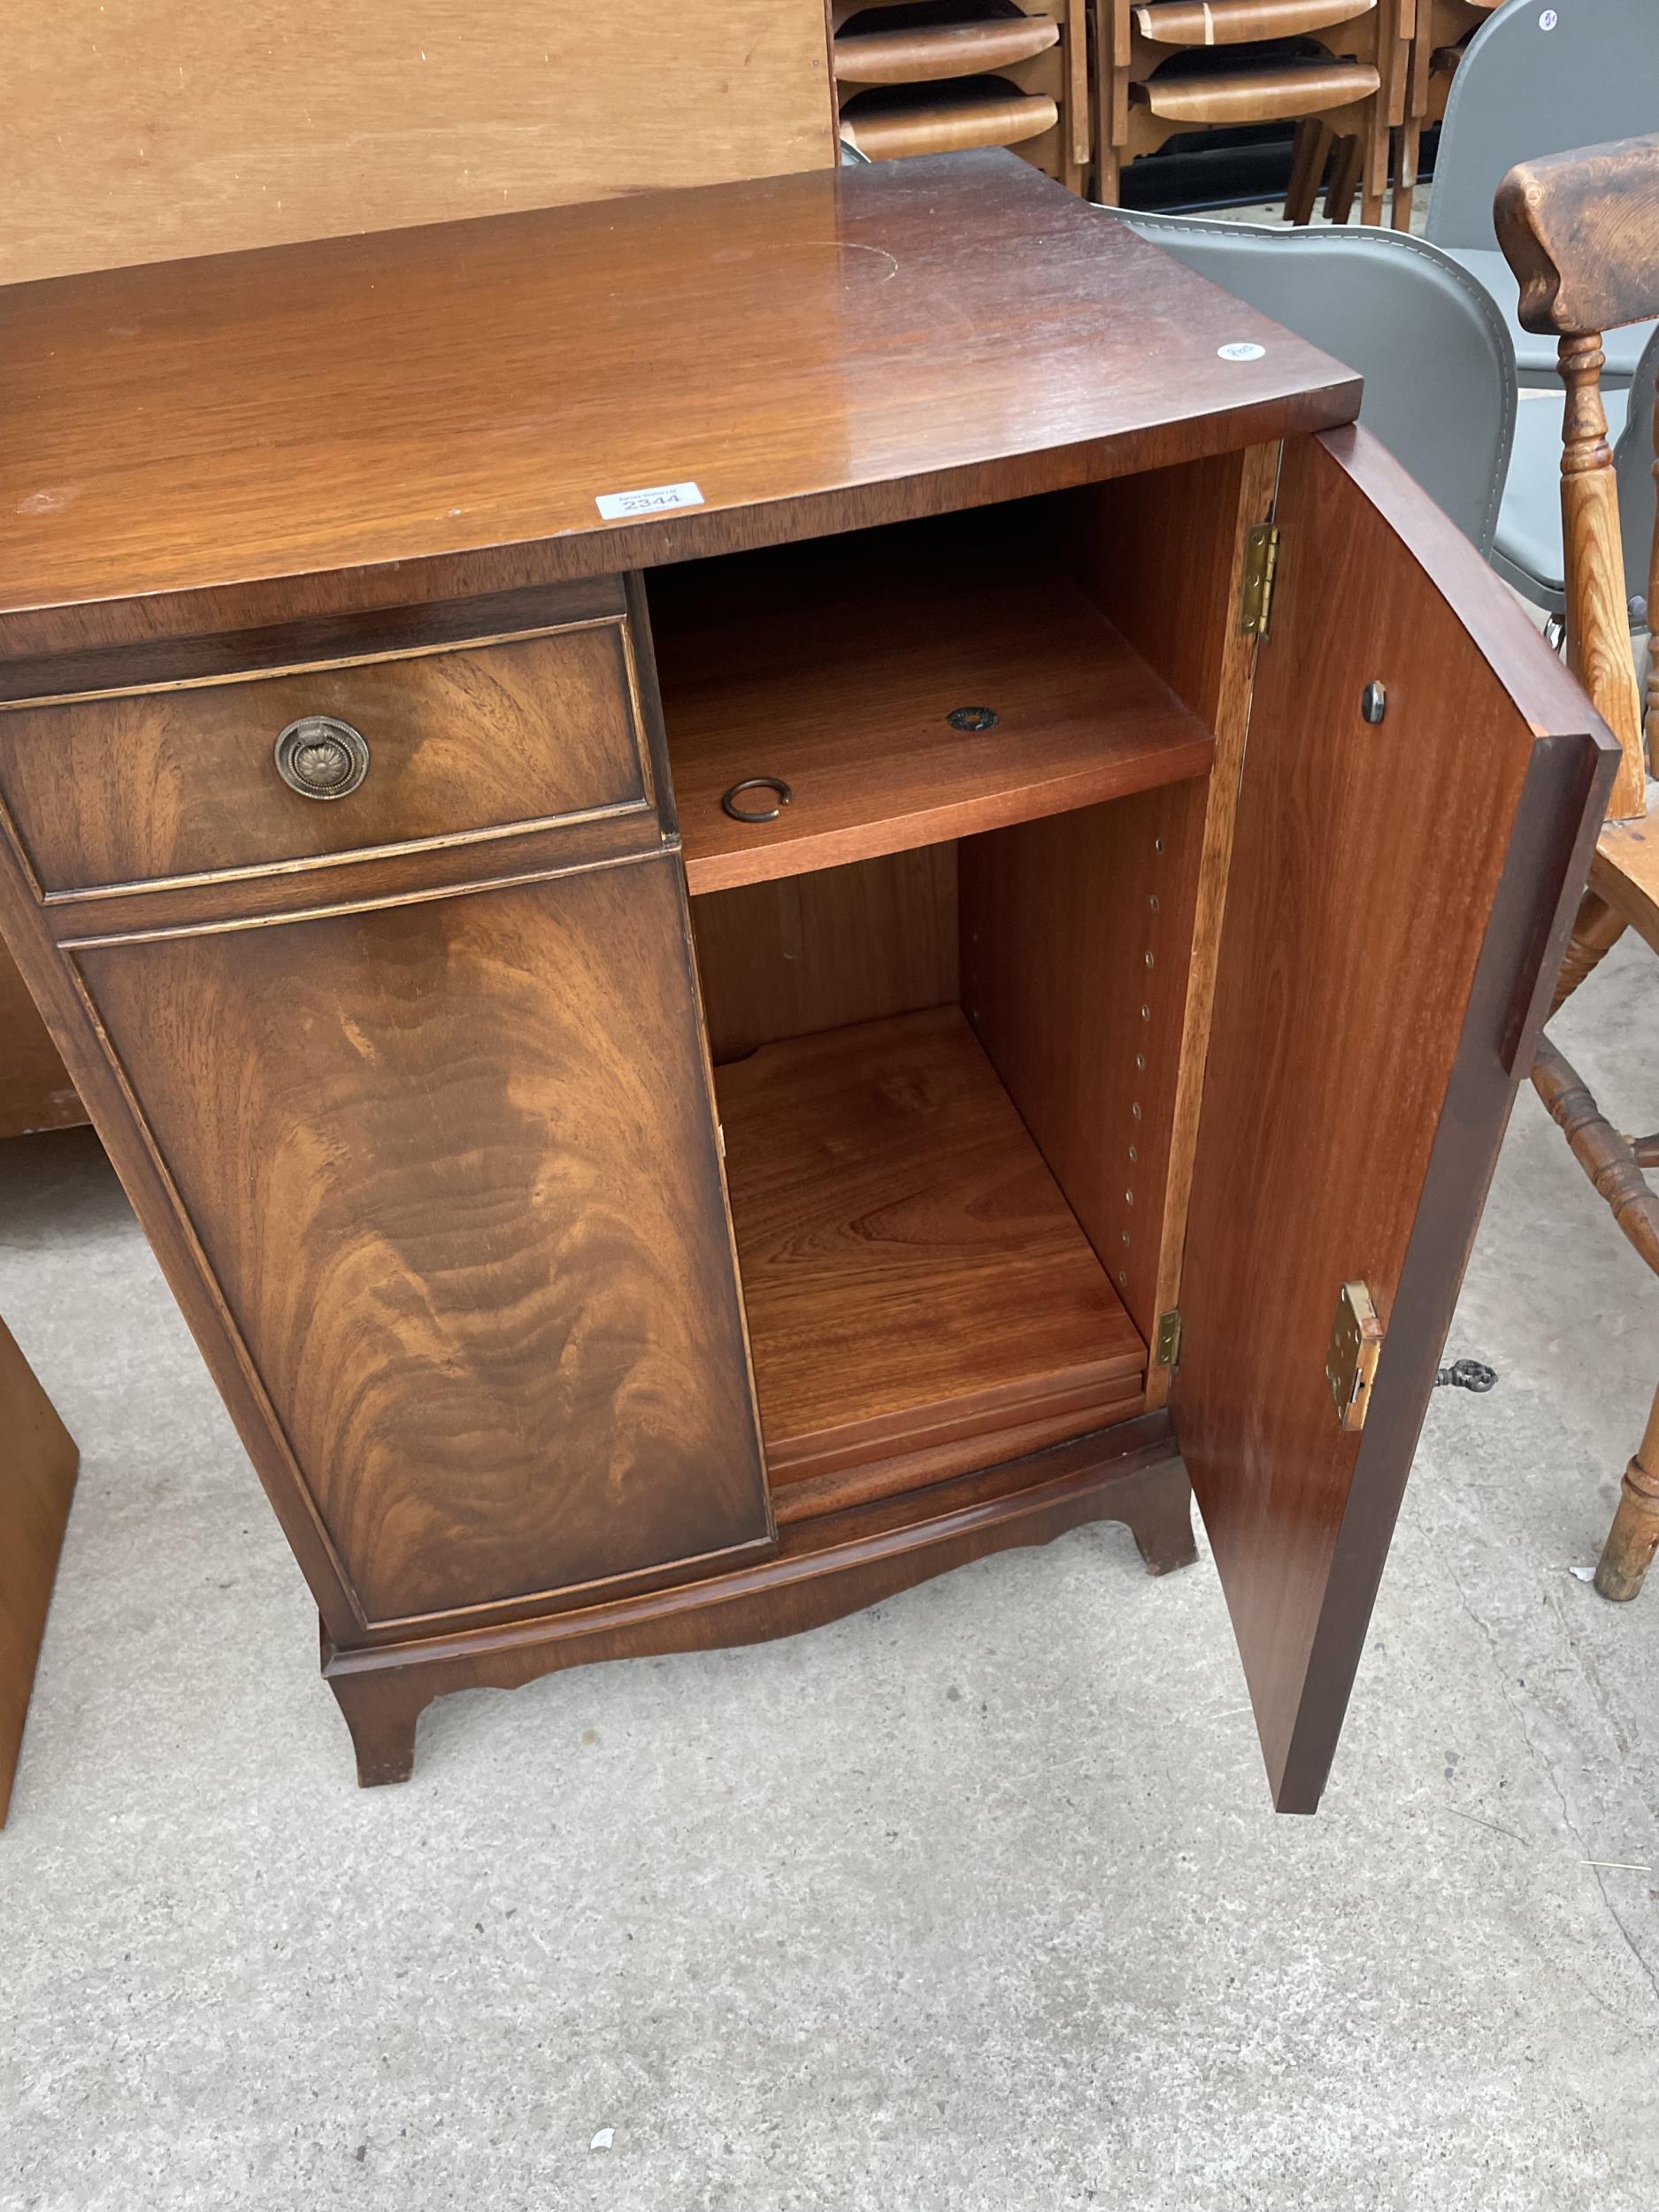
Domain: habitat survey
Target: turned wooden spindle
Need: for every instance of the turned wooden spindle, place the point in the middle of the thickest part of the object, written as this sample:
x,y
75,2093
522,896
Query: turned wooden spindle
x,y
1634,1538
1598,629
1606,1157
1596,932
1653,612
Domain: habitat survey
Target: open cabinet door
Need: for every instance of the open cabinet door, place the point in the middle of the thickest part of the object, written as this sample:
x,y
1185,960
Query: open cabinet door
x,y
1399,903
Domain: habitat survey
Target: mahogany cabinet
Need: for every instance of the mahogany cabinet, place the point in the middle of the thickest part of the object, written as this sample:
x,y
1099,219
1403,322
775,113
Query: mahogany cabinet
x,y
764,888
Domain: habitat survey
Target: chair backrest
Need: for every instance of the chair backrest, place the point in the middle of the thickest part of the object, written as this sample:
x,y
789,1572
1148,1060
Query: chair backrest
x,y
1580,231
1439,369
1537,79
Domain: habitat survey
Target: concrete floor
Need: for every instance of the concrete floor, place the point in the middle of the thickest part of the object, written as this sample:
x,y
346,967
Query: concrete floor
x,y
974,1901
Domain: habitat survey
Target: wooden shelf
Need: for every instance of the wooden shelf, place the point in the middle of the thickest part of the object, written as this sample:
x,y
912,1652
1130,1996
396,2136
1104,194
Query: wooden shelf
x,y
842,688
921,1300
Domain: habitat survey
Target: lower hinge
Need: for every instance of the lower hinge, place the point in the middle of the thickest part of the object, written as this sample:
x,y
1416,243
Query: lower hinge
x,y
1350,1365
1261,571
1166,1345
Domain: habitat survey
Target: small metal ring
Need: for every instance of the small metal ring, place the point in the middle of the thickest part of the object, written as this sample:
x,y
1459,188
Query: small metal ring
x,y
321,757
757,783
973,718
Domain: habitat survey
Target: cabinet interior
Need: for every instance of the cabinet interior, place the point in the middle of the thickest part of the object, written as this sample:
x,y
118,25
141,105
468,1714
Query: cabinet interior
x,y
944,988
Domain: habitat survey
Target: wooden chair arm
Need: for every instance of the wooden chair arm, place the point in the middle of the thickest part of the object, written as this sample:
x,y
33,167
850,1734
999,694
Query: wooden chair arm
x,y
1581,231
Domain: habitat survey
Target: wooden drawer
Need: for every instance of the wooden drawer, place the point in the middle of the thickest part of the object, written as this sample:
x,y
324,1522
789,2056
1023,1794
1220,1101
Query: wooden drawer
x,y
184,782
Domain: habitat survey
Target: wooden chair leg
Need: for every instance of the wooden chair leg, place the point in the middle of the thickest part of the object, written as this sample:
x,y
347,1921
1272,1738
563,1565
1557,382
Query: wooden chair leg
x,y
1596,932
1634,1536
1374,174
1312,151
1407,149
1345,174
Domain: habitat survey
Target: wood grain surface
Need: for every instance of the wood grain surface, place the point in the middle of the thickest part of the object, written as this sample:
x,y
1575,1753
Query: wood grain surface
x,y
1075,935
826,949
846,694
913,1278
955,332
927,53
1235,22
453,1167
1348,1136
459,742
37,1480
1165,552
141,133
1256,96
35,1092
937,126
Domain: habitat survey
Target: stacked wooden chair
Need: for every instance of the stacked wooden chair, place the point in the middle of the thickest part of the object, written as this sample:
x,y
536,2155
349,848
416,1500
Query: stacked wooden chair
x,y
1438,39
936,76
1337,68
1581,233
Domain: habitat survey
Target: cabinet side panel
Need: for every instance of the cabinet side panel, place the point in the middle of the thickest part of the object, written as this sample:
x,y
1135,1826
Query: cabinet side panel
x,y
1075,937
452,1165
1163,554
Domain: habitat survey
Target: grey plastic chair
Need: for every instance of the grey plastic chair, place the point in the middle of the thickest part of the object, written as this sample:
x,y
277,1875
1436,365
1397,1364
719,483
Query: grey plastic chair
x,y
1537,79
1439,377
1528,551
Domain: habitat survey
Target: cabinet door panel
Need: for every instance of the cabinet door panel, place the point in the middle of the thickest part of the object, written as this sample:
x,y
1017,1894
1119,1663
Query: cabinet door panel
x,y
453,1166
1399,899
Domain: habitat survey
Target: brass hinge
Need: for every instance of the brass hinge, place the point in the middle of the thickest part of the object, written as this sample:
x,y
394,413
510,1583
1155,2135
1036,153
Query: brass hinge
x,y
1356,1341
1261,567
1166,1346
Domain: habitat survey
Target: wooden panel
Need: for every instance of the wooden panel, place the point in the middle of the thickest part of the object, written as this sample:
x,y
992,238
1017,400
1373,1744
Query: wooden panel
x,y
1166,553
536,729
822,951
847,695
954,334
1398,890
1075,938
37,1480
35,1092
913,1278
140,133
453,1168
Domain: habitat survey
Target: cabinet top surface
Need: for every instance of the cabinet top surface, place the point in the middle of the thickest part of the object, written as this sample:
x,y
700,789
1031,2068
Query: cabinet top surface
x,y
838,348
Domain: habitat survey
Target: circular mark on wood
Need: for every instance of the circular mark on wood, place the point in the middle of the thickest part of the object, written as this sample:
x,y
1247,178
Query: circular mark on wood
x,y
973,718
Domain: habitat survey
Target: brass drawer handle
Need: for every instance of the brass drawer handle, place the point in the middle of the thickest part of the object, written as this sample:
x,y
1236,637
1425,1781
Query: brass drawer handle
x,y
321,758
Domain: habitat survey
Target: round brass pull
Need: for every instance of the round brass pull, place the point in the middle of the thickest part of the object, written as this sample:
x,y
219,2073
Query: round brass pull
x,y
321,758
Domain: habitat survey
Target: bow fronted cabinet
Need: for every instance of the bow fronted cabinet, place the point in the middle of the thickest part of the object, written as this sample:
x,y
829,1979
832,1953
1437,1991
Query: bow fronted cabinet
x,y
766,888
